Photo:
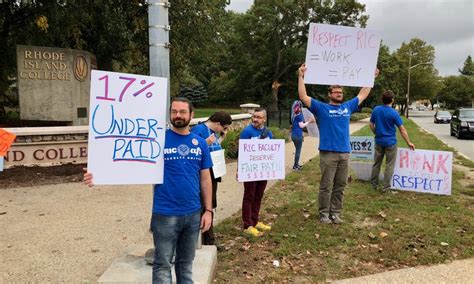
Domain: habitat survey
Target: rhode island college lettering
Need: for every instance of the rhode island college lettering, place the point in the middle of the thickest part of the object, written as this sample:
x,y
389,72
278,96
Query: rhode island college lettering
x,y
46,155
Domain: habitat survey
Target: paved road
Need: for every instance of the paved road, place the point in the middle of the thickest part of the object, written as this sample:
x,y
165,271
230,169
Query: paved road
x,y
425,120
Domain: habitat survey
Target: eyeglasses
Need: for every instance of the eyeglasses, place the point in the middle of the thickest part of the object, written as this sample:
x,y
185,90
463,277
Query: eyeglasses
x,y
182,112
224,126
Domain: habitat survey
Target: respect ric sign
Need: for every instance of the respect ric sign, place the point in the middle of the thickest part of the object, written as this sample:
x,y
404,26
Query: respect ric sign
x,y
127,128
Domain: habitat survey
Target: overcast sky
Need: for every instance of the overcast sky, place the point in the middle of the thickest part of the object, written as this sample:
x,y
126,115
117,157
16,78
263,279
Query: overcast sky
x,y
448,25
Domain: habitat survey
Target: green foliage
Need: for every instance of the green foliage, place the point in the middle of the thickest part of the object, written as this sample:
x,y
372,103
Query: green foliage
x,y
468,68
231,144
366,110
457,91
358,116
424,76
267,45
279,133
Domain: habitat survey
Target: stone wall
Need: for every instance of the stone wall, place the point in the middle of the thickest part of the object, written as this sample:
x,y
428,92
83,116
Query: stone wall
x,y
46,146
54,84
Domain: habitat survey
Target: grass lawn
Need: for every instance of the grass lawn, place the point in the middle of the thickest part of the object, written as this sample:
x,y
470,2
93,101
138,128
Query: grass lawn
x,y
206,112
381,231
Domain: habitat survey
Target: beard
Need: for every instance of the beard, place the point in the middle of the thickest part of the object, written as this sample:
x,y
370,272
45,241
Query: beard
x,y
180,122
337,100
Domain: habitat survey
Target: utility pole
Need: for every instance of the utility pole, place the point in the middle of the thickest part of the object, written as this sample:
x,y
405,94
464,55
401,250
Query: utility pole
x,y
158,36
158,33
408,83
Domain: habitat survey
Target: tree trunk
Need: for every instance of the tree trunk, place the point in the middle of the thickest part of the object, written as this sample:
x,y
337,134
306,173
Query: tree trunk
x,y
274,104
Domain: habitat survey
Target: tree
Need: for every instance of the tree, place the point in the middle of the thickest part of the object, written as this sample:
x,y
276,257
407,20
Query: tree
x,y
457,91
270,40
468,68
197,42
112,30
422,76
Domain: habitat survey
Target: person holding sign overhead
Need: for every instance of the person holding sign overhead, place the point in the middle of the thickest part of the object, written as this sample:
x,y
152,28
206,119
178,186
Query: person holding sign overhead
x,y
334,145
217,123
176,218
383,121
253,190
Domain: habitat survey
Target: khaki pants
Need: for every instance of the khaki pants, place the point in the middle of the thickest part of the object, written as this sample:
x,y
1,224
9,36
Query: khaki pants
x,y
334,171
391,153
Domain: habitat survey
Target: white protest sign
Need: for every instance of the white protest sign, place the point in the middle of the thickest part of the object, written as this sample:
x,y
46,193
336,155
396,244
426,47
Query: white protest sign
x,y
127,128
218,161
1,164
362,147
312,127
339,55
261,159
423,171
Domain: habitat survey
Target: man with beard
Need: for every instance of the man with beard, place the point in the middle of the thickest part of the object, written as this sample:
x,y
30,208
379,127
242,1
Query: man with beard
x,y
334,144
176,218
253,190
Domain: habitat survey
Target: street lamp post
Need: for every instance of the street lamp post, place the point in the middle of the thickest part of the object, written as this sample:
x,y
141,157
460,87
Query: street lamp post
x,y
408,83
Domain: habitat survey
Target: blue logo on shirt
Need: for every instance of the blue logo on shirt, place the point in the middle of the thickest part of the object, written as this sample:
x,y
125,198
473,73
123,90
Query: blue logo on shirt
x,y
183,150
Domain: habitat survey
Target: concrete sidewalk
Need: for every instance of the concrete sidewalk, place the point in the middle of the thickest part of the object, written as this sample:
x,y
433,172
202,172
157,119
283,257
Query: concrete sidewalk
x,y
130,268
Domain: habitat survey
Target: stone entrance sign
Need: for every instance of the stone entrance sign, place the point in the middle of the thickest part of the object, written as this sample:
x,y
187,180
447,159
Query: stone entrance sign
x,y
54,83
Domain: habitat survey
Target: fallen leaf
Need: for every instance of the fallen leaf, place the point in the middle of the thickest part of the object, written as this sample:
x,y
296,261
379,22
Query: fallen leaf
x,y
306,215
316,236
372,236
397,220
444,244
374,245
382,214
383,234
246,247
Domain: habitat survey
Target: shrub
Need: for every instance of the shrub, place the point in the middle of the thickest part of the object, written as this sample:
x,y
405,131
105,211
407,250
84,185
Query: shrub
x,y
366,110
231,144
358,116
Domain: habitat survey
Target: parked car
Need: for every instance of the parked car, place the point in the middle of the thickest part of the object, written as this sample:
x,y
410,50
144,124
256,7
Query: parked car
x,y
442,116
462,123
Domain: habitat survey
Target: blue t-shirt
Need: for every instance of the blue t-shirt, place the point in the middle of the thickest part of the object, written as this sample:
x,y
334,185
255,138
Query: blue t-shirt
x,y
386,119
250,132
296,130
184,158
334,124
203,131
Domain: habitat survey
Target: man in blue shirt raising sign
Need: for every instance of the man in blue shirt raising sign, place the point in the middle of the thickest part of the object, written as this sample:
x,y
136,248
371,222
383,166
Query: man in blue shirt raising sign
x,y
334,144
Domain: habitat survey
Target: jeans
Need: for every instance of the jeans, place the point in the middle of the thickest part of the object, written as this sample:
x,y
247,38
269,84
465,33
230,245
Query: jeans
x,y
170,234
391,153
334,171
253,193
298,141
